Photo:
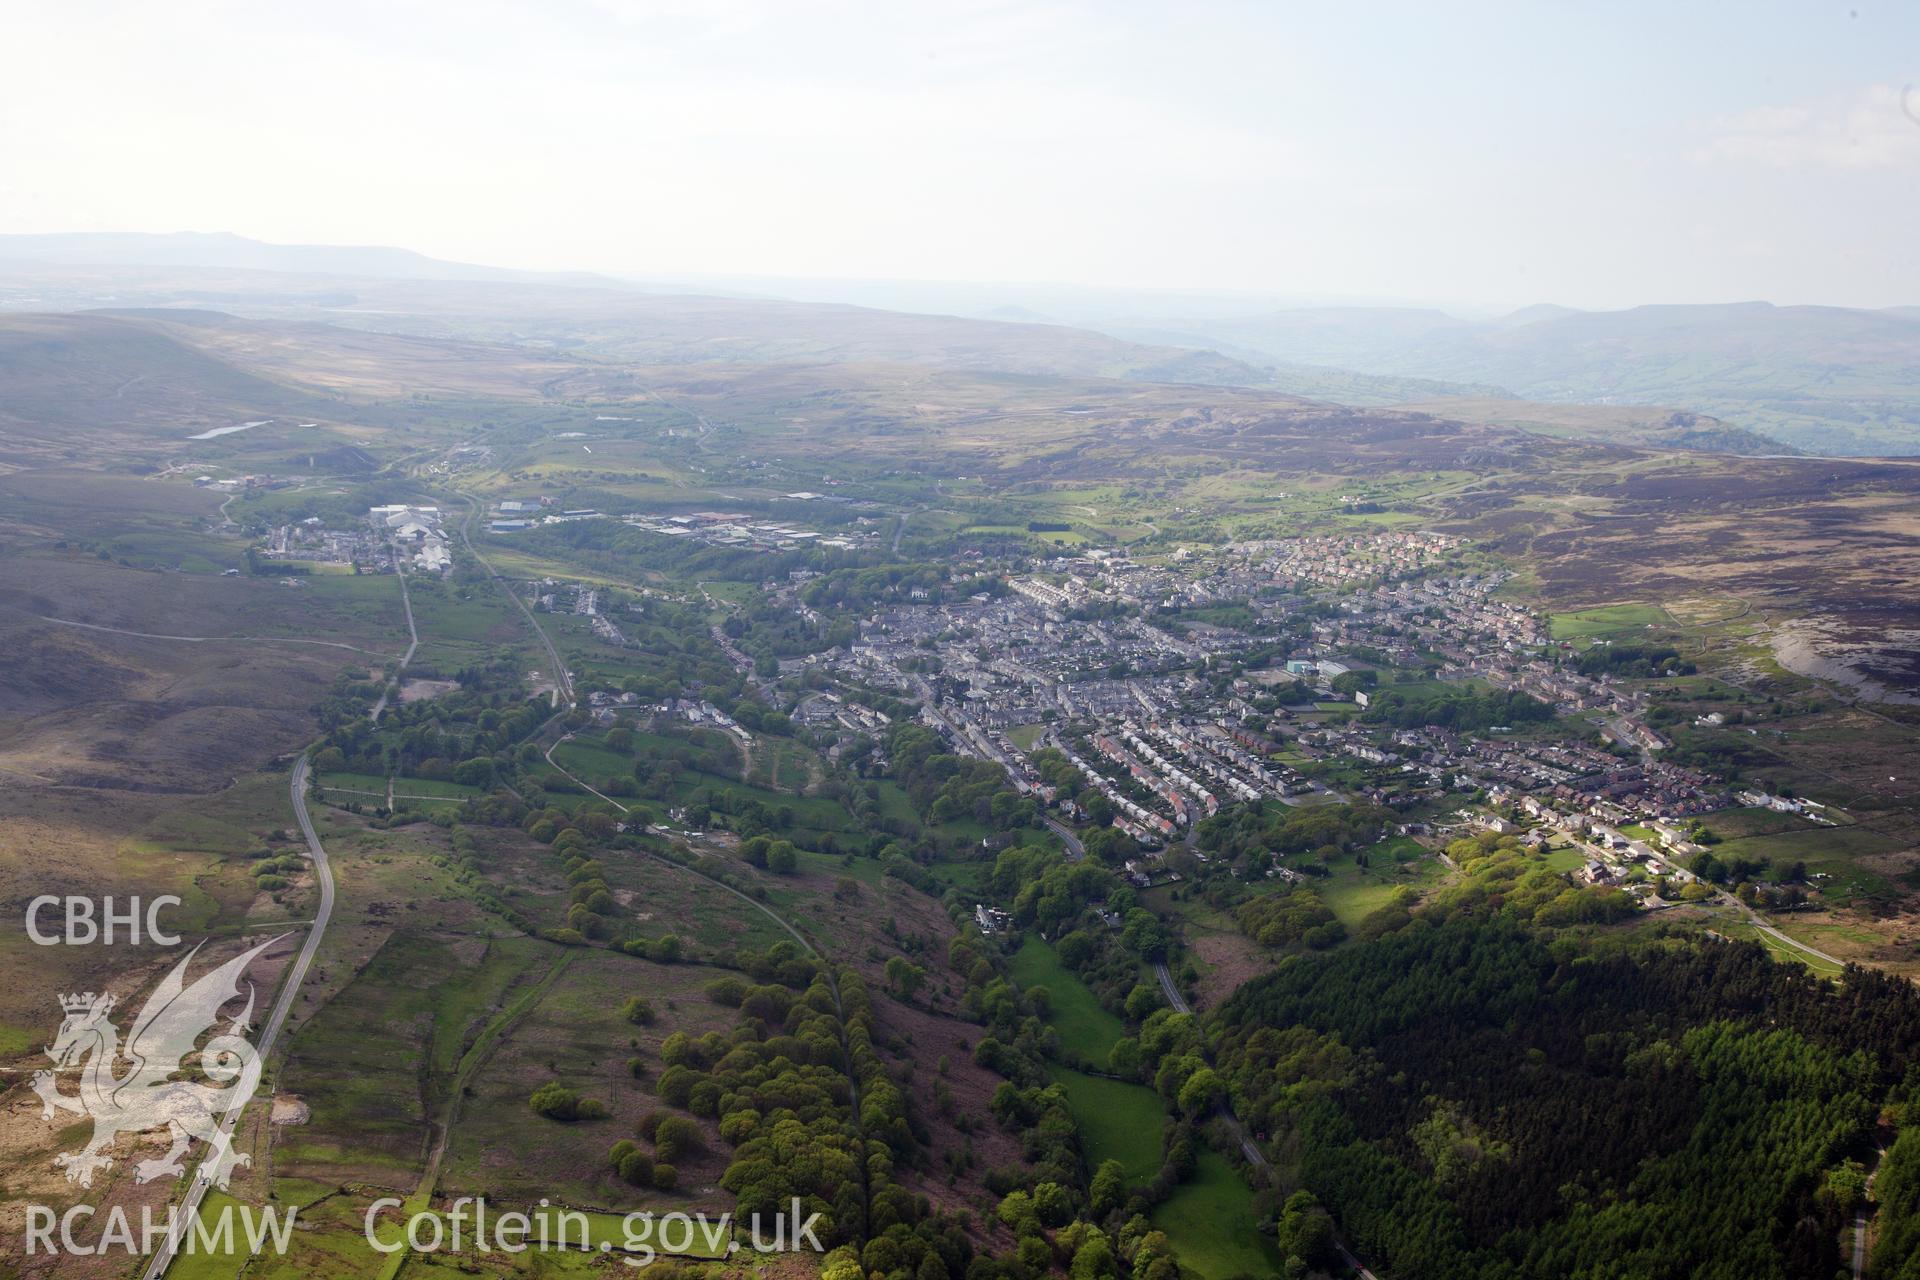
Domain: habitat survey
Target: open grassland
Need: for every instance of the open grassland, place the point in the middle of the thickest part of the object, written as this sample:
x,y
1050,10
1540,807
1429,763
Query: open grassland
x,y
1564,859
1844,854
121,712
1610,622
1781,951
781,764
371,1064
1353,892
1085,1028
1118,1120
1210,1221
1025,735
465,618
575,1035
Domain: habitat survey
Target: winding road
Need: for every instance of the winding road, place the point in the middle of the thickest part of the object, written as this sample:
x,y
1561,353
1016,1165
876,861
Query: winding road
x,y
277,1019
1248,1147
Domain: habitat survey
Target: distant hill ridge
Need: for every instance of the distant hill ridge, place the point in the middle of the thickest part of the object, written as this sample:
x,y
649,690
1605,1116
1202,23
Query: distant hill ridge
x,y
1826,379
1820,379
226,251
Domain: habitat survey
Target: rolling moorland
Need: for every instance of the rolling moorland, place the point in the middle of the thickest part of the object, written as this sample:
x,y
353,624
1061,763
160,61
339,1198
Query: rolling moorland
x,y
703,915
1747,378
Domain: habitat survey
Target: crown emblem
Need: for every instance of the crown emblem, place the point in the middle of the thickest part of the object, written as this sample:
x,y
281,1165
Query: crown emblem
x,y
86,1002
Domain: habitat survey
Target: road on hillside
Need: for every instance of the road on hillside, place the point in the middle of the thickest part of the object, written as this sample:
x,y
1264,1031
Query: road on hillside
x,y
1172,993
413,643
1754,919
1255,1157
270,1030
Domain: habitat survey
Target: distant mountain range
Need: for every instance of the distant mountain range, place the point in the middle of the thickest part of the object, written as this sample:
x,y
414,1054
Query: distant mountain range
x,y
1826,379
1738,377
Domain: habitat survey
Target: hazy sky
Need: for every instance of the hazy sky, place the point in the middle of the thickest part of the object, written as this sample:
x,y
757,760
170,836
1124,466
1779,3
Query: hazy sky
x,y
1600,155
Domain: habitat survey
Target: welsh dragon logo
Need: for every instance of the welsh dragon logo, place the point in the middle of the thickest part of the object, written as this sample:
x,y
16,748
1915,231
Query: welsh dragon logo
x,y
153,1094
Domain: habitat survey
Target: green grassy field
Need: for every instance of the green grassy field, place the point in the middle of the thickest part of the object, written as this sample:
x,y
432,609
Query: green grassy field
x,y
781,764
1736,824
810,813
896,805
1084,1027
574,1034
1353,892
1210,1221
592,763
1608,621
1025,735
478,618
372,1062
813,813
973,877
354,782
1566,858
351,602
865,870
1210,1218
1832,851
1118,1121
433,787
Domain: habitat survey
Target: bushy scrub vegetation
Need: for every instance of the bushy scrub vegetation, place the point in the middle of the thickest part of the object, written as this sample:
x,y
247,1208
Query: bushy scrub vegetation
x,y
1457,709
1633,661
949,788
1257,836
803,1098
557,1102
1291,918
1498,876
